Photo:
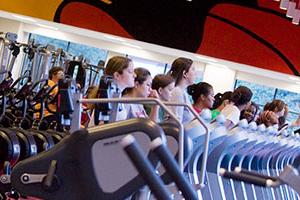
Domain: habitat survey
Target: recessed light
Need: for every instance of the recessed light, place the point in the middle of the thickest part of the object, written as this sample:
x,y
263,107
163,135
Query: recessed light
x,y
206,58
218,65
24,18
294,78
48,27
283,8
114,38
107,1
132,45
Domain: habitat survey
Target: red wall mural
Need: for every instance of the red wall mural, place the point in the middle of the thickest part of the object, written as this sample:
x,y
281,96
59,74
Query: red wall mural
x,y
253,32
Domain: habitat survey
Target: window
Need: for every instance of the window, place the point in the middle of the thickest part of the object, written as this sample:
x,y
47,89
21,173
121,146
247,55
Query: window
x,y
154,67
261,94
91,54
292,116
43,40
292,99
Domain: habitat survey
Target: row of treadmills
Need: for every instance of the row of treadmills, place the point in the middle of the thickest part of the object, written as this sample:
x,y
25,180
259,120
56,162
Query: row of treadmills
x,y
249,154
256,163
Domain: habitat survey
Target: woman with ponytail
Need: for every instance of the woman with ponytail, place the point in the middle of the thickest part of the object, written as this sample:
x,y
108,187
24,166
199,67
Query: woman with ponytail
x,y
281,111
268,118
183,72
277,106
202,95
241,98
221,100
121,71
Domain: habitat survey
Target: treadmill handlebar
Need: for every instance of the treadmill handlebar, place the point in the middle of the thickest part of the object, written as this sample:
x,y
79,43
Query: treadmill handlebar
x,y
256,180
144,167
173,170
254,173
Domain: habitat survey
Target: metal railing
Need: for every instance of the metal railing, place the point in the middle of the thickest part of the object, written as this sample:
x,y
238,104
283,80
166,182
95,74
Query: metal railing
x,y
150,101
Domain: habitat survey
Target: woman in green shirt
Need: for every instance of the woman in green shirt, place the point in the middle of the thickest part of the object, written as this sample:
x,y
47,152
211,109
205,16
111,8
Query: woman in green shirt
x,y
221,100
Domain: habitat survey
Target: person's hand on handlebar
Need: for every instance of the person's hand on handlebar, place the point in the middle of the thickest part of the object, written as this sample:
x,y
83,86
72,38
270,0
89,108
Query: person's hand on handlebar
x,y
153,94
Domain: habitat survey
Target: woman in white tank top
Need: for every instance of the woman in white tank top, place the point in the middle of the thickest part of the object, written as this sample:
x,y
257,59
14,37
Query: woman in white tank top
x,y
122,72
184,73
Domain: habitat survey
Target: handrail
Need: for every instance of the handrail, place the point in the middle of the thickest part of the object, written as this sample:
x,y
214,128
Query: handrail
x,y
206,142
142,101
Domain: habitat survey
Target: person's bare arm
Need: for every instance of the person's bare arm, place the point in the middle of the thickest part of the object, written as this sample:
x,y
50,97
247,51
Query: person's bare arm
x,y
154,109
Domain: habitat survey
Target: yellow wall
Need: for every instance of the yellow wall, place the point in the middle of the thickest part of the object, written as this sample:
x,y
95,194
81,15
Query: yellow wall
x,y
43,9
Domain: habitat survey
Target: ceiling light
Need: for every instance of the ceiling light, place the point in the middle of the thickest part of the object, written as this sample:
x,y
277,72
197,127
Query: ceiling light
x,y
48,27
132,45
284,4
24,18
294,78
114,38
107,1
296,17
291,9
218,65
295,22
206,58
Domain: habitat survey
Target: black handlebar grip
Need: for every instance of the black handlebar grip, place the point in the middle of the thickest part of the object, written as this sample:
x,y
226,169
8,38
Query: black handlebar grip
x,y
253,173
172,169
244,177
145,168
50,175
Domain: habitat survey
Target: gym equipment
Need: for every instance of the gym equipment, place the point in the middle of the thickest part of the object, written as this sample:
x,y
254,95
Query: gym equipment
x,y
169,163
144,167
5,184
134,152
41,61
99,67
10,147
76,71
28,146
260,156
61,58
148,101
289,176
218,134
65,105
92,152
138,100
254,148
106,112
77,100
18,144
8,49
238,156
218,157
